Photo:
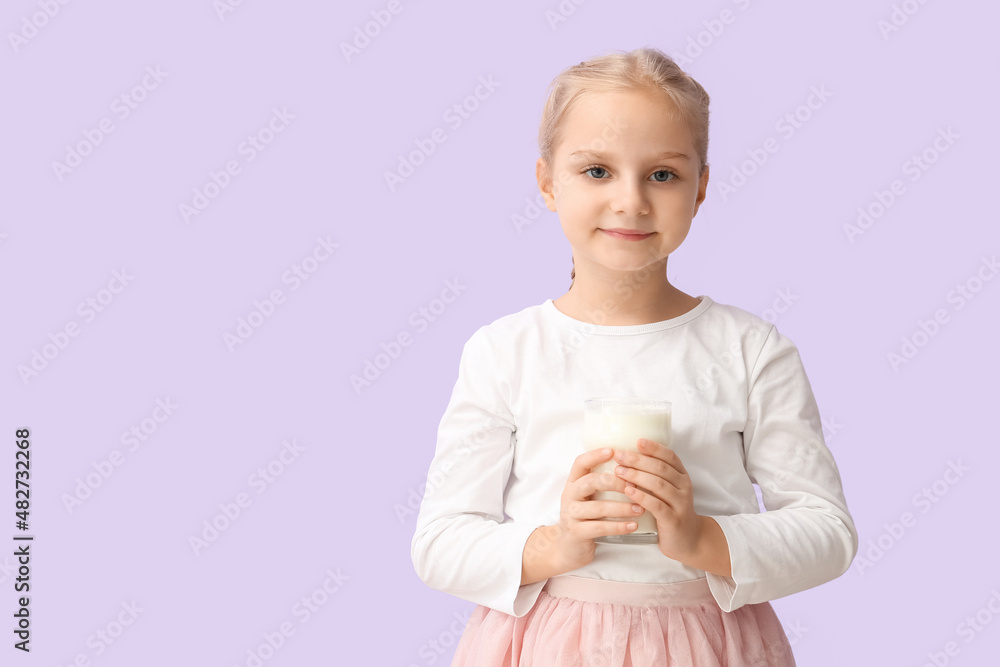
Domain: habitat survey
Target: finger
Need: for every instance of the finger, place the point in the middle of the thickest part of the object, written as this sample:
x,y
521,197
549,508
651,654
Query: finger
x,y
661,452
585,510
584,462
591,529
649,472
652,503
655,500
649,453
655,484
593,482
649,464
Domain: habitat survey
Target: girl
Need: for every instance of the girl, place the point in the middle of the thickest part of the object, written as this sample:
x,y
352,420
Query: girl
x,y
508,521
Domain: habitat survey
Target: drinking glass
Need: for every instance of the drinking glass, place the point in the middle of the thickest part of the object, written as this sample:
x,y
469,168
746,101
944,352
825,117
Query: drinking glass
x,y
618,422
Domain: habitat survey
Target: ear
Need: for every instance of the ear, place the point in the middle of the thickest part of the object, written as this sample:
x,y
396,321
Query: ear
x,y
702,190
544,177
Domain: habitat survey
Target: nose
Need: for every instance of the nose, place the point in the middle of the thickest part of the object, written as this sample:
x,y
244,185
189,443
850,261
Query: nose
x,y
630,198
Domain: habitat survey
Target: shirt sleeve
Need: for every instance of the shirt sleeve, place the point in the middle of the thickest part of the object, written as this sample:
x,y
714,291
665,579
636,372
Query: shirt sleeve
x,y
807,536
462,546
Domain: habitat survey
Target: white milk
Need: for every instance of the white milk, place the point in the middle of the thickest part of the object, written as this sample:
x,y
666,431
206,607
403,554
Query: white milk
x,y
619,426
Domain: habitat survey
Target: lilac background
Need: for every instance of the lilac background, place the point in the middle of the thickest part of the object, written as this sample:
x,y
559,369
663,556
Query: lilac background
x,y
342,504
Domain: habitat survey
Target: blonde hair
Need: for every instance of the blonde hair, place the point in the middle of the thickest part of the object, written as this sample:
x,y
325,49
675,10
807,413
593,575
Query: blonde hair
x,y
644,68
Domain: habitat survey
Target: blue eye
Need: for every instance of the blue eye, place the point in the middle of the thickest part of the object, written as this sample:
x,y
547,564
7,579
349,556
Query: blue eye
x,y
603,172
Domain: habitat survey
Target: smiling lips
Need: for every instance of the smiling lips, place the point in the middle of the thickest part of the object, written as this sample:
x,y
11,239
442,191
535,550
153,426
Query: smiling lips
x,y
627,234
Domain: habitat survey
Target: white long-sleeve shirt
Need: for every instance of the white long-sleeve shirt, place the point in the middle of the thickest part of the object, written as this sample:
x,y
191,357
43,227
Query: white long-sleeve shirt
x,y
743,412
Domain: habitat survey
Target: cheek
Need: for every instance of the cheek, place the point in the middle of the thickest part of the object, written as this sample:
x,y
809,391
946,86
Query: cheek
x,y
572,204
577,219
677,204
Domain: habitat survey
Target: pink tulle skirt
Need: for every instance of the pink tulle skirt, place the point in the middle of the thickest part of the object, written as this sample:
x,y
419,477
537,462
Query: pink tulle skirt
x,y
597,623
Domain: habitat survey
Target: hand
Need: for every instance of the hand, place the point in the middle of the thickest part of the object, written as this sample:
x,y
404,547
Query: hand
x,y
659,483
580,518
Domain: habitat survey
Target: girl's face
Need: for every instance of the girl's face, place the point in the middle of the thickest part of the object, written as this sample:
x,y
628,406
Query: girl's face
x,y
623,162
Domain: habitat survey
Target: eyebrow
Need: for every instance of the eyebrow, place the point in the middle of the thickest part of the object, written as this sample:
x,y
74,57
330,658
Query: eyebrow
x,y
600,156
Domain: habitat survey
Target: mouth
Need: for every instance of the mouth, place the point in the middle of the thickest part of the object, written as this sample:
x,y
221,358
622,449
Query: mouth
x,y
627,234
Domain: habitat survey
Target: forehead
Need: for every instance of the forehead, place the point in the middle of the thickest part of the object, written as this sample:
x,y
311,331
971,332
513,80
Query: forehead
x,y
608,122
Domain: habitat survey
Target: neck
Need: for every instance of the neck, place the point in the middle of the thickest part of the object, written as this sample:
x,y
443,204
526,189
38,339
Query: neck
x,y
624,298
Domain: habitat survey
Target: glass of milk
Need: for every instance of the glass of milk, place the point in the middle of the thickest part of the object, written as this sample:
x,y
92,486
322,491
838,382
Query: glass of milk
x,y
618,423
